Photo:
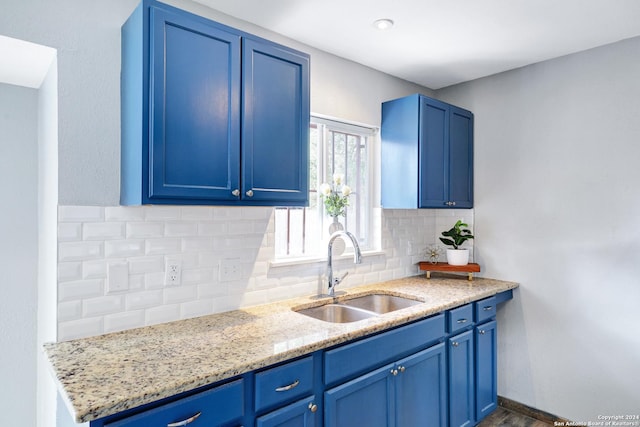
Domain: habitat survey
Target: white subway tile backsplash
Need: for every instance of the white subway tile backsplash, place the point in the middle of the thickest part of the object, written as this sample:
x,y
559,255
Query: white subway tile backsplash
x,y
70,310
69,271
96,269
80,289
140,230
146,264
200,237
80,328
178,294
161,314
102,230
124,213
122,321
162,246
102,305
123,248
69,231
196,213
147,299
80,213
79,251
165,213
196,308
179,229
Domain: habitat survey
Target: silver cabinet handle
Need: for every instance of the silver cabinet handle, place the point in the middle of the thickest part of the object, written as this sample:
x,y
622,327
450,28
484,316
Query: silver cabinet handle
x,y
488,308
455,343
313,407
401,368
289,387
462,320
185,422
394,372
249,193
235,192
481,331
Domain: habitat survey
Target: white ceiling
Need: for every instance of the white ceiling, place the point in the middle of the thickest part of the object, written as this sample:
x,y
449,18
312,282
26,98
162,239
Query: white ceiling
x,y
437,43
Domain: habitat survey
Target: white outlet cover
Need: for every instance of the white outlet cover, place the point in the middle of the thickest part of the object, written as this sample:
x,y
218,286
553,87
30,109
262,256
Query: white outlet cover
x,y
117,277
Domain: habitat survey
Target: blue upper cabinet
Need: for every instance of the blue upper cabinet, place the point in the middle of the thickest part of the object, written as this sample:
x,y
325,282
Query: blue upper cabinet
x,y
427,154
210,115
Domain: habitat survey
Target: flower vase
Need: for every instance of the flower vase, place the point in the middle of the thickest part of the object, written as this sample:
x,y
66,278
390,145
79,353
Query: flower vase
x,y
338,245
335,225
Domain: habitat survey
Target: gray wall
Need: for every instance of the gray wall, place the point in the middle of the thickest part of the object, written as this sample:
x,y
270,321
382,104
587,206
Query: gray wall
x,y
556,180
18,252
87,36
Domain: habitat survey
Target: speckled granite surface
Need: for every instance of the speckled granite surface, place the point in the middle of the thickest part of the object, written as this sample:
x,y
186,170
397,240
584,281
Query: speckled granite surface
x,y
104,375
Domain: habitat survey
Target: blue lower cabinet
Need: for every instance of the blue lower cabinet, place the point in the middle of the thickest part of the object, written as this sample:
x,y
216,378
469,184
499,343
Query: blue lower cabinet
x,y
219,407
364,401
461,380
486,336
303,413
420,389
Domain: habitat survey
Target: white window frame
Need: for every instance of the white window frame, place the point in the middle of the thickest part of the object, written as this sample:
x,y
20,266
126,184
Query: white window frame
x,y
372,241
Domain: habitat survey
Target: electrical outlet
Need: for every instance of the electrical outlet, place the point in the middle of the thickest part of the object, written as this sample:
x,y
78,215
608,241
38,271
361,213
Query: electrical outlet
x,y
173,273
117,277
230,270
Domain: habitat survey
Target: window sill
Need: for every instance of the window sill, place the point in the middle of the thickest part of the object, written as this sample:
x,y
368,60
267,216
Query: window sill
x,y
290,262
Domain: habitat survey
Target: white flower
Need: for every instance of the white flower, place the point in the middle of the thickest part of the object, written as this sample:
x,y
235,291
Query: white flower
x,y
325,189
346,190
338,178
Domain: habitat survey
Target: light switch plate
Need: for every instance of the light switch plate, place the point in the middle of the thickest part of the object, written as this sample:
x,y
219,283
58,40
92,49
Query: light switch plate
x,y
117,277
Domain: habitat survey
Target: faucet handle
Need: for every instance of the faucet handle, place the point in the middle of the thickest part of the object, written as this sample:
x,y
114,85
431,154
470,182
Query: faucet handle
x,y
338,280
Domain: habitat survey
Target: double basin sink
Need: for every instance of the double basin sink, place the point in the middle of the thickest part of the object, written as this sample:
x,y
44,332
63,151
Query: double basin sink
x,y
358,308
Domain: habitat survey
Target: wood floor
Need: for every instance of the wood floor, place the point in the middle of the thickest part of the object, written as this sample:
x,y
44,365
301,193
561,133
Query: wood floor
x,y
502,417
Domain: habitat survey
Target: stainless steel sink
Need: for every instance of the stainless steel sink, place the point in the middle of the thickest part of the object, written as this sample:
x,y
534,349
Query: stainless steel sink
x,y
381,303
358,308
337,313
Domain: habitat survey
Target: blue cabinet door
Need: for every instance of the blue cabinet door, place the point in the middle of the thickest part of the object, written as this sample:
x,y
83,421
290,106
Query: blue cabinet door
x,y
302,413
421,389
460,158
194,109
434,153
275,124
486,369
461,380
365,401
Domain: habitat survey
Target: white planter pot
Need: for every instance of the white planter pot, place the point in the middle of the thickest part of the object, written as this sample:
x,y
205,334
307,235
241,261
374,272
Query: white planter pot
x,y
458,256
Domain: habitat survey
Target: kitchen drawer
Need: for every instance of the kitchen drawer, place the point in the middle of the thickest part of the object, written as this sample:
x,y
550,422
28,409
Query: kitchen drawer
x,y
284,383
366,354
485,309
459,318
218,406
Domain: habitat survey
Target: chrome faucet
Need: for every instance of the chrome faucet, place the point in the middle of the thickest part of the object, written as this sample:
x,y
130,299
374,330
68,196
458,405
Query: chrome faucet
x,y
357,259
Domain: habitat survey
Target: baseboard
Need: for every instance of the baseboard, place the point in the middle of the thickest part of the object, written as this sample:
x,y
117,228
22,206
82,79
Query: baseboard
x,y
530,412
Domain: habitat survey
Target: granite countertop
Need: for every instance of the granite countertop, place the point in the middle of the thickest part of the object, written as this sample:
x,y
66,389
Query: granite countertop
x,y
107,374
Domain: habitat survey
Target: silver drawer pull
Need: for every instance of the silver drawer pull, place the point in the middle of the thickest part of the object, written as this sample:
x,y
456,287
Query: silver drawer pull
x,y
488,308
185,422
289,387
462,320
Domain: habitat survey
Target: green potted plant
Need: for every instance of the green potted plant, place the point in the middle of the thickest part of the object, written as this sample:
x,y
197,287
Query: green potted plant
x,y
455,237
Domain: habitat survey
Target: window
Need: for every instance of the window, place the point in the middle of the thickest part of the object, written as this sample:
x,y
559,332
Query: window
x,y
335,148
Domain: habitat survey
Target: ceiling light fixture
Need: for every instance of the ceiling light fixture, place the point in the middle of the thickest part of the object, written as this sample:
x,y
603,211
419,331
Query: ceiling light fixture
x,y
383,24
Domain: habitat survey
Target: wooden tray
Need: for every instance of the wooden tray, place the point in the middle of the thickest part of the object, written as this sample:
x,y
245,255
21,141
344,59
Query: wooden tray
x,y
443,266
